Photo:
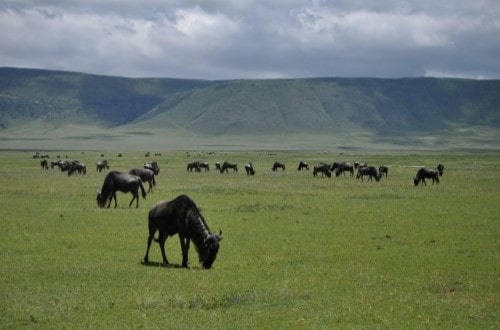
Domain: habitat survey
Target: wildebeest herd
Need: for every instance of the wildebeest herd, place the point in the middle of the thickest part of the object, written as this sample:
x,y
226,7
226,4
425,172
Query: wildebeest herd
x,y
181,215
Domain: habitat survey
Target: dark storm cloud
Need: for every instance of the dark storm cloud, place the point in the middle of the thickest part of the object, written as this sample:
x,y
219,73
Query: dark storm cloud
x,y
227,39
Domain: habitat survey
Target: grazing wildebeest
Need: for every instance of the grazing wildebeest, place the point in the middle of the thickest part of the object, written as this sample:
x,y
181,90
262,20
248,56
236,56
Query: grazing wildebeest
x,y
324,169
117,181
343,167
303,165
440,169
204,165
371,171
227,165
193,166
249,169
63,165
101,165
77,167
44,164
145,175
153,166
217,166
182,216
426,173
383,170
277,165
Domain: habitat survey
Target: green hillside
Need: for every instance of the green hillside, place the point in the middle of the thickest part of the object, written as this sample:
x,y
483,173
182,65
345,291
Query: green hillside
x,y
431,112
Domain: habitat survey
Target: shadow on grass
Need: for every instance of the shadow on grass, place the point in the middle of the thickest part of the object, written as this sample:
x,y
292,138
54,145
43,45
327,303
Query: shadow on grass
x,y
160,264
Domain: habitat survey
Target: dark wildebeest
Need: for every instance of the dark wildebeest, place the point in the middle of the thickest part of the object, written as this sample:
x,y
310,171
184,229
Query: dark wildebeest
x,y
182,216
117,181
383,170
249,169
44,164
324,169
227,165
440,169
193,166
145,175
63,165
77,167
371,171
277,165
303,165
153,166
101,165
343,167
426,173
204,165
217,166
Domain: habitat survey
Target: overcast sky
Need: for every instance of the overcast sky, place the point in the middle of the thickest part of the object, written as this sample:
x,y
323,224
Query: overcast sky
x,y
232,39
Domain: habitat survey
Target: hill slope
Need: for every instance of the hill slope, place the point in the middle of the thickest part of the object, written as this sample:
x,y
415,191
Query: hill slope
x,y
396,111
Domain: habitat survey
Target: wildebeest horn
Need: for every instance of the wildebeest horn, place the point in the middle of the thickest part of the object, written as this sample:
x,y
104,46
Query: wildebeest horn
x,y
219,236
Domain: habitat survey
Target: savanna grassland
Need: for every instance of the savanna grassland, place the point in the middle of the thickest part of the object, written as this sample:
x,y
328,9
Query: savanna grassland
x,y
298,251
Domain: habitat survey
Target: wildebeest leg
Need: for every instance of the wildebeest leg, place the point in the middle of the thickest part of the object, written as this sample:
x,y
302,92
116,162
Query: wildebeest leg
x,y
113,195
162,237
423,181
185,248
136,197
150,239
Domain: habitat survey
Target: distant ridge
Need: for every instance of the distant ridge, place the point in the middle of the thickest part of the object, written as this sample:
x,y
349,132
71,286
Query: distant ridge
x,y
395,111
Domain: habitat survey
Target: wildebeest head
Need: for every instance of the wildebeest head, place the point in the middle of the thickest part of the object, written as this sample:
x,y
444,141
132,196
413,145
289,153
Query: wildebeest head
x,y
101,199
208,252
416,181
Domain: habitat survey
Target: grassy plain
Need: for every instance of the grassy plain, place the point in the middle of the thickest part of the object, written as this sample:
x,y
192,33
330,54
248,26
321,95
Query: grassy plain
x,y
298,251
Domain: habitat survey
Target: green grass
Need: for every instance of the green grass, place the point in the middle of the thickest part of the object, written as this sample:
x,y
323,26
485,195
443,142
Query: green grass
x,y
298,251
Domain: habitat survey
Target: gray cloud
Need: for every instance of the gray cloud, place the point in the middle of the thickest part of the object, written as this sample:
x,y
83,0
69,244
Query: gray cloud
x,y
227,39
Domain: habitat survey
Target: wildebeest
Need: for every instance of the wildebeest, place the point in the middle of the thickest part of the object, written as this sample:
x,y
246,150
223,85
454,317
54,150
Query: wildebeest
x,y
303,165
44,164
217,165
249,169
426,173
182,216
77,167
383,170
342,167
440,169
117,181
153,166
277,165
204,165
227,165
371,171
322,168
145,175
193,166
197,166
101,165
